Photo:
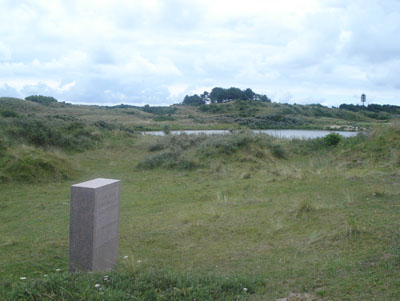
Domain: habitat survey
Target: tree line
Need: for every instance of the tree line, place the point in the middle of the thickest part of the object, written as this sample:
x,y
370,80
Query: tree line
x,y
391,109
220,95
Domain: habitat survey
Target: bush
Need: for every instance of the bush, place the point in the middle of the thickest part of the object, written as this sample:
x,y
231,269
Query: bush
x,y
9,114
166,129
46,133
104,125
332,139
43,100
232,143
3,145
163,118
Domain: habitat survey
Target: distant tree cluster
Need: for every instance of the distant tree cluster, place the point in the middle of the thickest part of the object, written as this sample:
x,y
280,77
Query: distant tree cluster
x,y
43,100
220,95
391,109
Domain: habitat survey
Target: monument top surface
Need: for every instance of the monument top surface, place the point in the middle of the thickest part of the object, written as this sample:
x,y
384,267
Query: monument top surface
x,y
96,183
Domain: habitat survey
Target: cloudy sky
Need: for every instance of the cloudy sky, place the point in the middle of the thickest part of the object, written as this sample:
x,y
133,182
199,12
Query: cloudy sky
x,y
156,51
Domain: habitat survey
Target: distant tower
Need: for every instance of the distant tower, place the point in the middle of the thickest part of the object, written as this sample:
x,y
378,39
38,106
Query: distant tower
x,y
363,99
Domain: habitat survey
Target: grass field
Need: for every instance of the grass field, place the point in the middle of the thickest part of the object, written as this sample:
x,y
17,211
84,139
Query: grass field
x,y
239,216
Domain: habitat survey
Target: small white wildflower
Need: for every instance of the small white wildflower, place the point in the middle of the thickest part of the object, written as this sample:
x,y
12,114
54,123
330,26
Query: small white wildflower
x,y
45,275
126,256
97,285
58,270
245,289
139,261
22,278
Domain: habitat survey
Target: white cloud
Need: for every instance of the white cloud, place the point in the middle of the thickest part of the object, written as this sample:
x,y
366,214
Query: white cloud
x,y
5,52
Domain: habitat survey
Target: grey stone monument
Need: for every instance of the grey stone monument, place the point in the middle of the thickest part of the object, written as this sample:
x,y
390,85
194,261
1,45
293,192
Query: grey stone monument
x,y
94,224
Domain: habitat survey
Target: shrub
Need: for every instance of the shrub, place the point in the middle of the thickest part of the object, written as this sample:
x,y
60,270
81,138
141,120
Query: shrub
x,y
3,146
104,125
166,129
332,139
163,118
43,100
9,114
47,133
278,151
231,143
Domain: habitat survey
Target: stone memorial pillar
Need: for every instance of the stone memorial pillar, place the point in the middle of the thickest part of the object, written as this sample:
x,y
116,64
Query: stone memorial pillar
x,y
94,224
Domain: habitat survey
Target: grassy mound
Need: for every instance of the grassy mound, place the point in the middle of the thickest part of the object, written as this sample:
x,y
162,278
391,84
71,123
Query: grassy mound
x,y
381,145
33,165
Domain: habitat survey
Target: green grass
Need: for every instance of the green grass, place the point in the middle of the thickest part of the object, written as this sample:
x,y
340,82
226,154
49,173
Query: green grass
x,y
152,284
280,218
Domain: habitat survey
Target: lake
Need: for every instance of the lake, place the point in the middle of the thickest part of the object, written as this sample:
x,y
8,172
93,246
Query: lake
x,y
288,134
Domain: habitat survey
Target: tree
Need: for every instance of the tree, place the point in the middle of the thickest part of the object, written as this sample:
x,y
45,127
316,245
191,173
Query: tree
x,y
250,95
194,100
234,93
205,97
217,95
264,98
220,95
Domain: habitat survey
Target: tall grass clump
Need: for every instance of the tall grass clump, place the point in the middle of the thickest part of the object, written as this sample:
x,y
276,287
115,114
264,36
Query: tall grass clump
x,y
172,152
254,145
303,209
316,145
231,143
173,159
180,142
353,227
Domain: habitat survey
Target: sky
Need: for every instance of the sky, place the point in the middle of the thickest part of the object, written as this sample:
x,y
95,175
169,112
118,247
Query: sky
x,y
156,51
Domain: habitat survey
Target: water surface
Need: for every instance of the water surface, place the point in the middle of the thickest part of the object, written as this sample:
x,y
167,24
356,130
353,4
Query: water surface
x,y
288,134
